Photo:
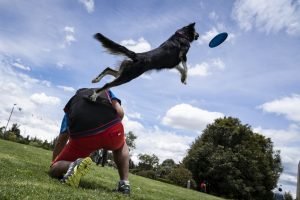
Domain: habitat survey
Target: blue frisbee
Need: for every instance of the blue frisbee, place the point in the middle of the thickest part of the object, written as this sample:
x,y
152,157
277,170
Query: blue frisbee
x,y
218,39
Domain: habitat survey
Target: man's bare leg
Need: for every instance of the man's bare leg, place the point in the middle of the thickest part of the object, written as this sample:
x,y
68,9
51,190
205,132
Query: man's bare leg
x,y
58,169
121,158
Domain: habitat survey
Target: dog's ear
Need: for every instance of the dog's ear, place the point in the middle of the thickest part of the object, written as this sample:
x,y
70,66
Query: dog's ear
x,y
192,24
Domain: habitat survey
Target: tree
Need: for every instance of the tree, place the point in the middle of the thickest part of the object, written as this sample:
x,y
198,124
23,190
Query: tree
x,y
147,173
130,140
147,162
27,140
13,134
166,167
15,129
236,162
168,163
36,142
180,176
2,131
288,196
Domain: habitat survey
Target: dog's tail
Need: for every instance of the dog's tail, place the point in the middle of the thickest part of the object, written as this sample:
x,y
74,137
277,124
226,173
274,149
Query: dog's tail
x,y
113,47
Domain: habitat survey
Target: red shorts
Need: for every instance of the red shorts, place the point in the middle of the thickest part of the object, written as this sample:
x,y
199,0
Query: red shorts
x,y
111,139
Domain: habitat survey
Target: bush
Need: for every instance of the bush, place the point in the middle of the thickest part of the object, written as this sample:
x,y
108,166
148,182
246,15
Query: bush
x,y
147,173
165,180
180,176
35,144
11,136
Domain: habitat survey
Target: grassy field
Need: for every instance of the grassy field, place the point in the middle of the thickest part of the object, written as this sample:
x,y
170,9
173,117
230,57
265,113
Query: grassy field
x,y
23,175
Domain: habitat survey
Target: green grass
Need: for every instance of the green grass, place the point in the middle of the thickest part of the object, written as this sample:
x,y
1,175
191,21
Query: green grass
x,y
23,175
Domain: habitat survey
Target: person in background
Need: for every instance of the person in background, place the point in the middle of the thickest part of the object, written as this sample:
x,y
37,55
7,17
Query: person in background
x,y
203,186
278,194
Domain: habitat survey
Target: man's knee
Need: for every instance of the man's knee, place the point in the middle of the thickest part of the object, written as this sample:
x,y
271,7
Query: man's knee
x,y
54,172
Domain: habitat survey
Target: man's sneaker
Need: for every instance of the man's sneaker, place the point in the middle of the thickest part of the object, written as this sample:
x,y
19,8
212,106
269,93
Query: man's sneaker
x,y
123,187
76,170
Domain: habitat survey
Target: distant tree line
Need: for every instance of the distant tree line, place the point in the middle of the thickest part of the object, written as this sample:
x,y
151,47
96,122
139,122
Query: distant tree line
x,y
168,171
14,134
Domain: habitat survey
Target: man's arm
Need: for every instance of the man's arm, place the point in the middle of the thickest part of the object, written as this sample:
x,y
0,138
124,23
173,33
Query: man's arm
x,y
60,143
118,108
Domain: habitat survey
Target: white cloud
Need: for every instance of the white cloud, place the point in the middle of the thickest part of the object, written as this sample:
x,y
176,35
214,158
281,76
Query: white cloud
x,y
137,46
146,76
42,98
135,115
164,144
199,70
89,5
20,66
185,116
213,15
153,140
28,81
206,68
19,47
268,16
17,88
218,63
39,126
281,137
66,88
287,142
60,64
206,38
46,83
69,39
131,125
69,36
69,29
286,106
209,35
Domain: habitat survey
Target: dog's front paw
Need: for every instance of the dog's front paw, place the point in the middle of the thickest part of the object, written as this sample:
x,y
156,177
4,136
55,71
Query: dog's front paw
x,y
94,96
96,80
183,80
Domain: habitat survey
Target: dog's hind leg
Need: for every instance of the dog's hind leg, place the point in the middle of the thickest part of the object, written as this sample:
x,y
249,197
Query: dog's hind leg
x,y
107,71
122,77
116,82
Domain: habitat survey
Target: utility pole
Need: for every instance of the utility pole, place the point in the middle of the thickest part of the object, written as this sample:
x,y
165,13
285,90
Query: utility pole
x,y
298,183
12,110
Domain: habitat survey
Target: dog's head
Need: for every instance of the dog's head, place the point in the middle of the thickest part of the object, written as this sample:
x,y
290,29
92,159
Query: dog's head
x,y
189,32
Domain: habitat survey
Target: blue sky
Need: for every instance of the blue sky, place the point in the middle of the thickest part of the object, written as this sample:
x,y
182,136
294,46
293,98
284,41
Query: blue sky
x,y
47,52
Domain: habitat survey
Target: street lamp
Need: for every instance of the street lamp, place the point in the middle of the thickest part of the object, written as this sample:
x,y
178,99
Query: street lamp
x,y
12,110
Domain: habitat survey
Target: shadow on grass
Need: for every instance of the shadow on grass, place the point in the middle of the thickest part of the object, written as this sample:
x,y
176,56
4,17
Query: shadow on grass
x,y
94,185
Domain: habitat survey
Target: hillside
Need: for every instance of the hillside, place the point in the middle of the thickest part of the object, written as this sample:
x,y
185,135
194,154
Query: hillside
x,y
23,175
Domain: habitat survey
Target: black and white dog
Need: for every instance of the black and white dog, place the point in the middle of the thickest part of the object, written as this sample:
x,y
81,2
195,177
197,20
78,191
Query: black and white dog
x,y
167,56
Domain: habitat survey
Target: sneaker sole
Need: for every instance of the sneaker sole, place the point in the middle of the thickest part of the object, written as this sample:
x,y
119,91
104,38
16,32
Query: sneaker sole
x,y
79,171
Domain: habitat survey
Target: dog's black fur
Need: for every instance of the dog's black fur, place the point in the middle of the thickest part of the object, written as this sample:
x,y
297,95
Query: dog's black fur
x,y
168,55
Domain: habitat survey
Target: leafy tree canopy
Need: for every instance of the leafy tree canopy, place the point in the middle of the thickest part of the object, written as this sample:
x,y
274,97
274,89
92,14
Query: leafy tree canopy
x,y
147,162
130,140
236,162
